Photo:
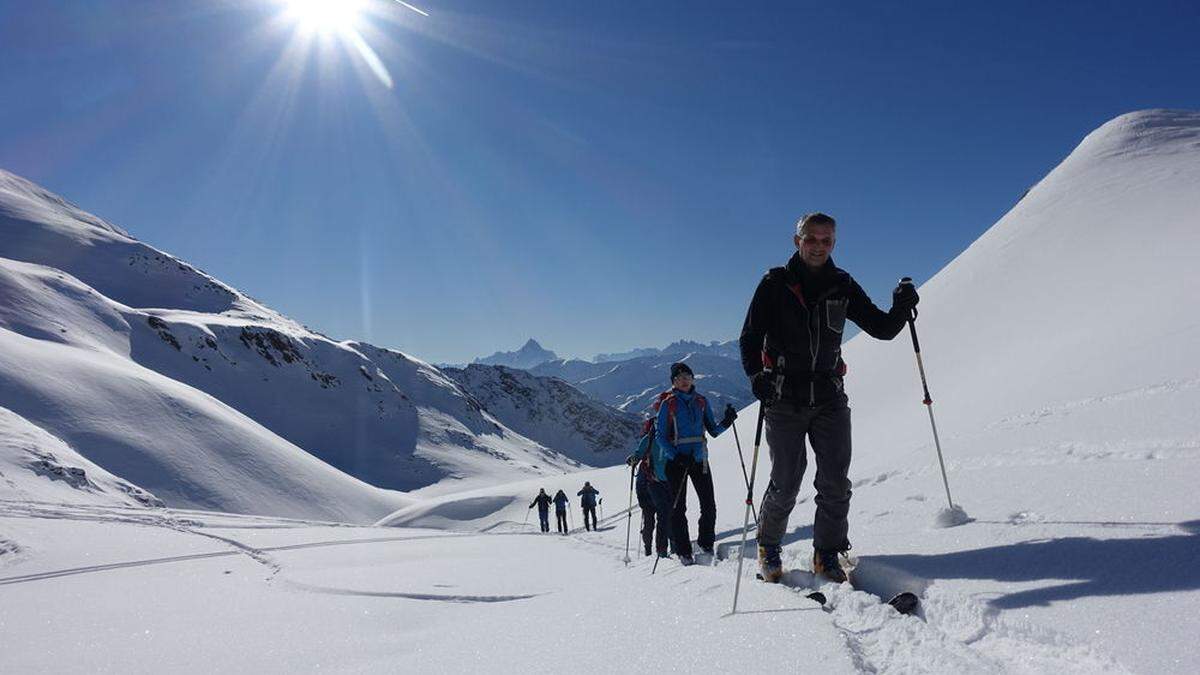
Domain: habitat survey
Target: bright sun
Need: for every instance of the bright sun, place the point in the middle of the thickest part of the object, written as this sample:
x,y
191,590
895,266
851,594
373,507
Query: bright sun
x,y
325,16
326,22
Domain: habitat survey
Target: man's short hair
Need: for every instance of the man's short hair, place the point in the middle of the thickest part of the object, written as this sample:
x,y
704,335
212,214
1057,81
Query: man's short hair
x,y
814,218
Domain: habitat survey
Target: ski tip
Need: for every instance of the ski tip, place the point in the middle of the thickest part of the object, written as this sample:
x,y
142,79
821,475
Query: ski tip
x,y
818,597
905,603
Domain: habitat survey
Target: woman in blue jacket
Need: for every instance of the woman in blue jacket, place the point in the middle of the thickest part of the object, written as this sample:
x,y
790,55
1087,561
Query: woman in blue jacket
x,y
683,417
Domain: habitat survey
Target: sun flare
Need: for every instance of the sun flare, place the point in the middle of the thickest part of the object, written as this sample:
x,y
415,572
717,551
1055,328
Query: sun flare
x,y
325,16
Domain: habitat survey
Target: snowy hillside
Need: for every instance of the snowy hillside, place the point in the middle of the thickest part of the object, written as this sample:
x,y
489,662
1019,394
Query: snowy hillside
x,y
198,394
552,413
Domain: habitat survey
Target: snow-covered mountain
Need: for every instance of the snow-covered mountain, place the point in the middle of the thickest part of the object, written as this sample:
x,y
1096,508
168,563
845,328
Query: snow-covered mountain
x,y
192,391
633,384
552,412
728,349
529,355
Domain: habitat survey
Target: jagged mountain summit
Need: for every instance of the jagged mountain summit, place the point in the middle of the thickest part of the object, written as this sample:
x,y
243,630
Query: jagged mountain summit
x,y
529,355
552,412
728,348
632,384
190,390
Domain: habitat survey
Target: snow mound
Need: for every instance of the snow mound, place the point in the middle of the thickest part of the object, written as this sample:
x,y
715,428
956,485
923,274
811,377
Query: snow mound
x,y
951,517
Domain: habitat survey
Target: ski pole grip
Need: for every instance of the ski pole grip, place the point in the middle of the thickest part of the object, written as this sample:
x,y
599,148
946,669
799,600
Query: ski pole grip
x,y
912,313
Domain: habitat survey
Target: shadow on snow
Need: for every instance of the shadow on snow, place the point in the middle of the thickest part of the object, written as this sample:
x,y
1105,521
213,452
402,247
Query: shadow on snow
x,y
1101,567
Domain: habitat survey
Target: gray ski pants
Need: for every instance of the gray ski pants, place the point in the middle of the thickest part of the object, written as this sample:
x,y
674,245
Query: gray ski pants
x,y
827,427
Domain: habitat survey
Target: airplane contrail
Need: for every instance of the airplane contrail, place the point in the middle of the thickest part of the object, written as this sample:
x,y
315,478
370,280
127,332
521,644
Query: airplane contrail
x,y
418,10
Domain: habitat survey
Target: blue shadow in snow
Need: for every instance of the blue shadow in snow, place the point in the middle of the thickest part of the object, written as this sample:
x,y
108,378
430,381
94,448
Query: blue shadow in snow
x,y
1103,567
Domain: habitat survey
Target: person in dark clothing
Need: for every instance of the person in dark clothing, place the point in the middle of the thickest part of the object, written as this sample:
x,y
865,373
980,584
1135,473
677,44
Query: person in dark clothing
x,y
683,417
542,501
560,510
791,348
587,501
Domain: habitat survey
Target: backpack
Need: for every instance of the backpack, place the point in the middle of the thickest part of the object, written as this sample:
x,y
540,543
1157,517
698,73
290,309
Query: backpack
x,y
672,402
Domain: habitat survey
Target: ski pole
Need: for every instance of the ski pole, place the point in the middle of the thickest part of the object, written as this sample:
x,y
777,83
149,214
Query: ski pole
x,y
746,478
571,518
758,429
526,521
912,330
629,516
671,515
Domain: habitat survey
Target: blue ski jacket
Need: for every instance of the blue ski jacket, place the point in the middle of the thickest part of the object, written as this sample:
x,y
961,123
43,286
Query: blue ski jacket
x,y
684,434
561,501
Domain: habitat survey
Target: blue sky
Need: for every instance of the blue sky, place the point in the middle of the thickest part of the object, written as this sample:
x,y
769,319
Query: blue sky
x,y
597,175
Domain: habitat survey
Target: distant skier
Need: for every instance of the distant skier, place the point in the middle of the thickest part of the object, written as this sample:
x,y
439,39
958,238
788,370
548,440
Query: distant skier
x,y
653,493
542,501
560,510
683,417
793,331
587,500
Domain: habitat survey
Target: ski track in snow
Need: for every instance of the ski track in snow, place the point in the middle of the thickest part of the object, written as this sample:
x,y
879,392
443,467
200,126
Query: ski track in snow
x,y
950,633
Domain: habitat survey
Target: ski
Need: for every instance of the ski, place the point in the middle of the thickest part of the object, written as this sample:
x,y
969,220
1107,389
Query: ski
x,y
905,603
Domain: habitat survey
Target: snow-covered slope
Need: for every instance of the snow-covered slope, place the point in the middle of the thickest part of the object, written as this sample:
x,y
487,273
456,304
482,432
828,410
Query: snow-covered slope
x,y
195,392
37,467
1061,353
552,412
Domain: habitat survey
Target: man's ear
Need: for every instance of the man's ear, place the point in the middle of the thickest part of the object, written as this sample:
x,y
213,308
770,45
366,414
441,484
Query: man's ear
x,y
796,241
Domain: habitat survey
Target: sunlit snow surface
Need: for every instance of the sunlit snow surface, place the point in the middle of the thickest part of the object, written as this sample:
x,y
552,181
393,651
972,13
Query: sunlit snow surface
x,y
1061,355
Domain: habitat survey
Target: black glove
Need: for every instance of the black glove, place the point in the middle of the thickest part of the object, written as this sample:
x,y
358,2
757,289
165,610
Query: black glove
x,y
633,459
730,416
763,385
905,298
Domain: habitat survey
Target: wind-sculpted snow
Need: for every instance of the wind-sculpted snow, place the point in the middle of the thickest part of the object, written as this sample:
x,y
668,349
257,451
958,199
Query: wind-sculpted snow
x,y
36,466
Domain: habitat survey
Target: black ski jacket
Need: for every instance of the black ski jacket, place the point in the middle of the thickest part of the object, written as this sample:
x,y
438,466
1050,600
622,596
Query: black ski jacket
x,y
800,315
542,501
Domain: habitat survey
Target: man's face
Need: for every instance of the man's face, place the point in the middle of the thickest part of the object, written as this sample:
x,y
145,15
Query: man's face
x,y
682,382
816,244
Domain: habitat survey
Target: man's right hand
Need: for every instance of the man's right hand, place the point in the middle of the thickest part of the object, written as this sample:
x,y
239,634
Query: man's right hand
x,y
763,386
905,298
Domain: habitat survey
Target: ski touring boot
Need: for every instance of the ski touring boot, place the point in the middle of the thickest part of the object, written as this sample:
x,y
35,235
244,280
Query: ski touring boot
x,y
770,565
826,564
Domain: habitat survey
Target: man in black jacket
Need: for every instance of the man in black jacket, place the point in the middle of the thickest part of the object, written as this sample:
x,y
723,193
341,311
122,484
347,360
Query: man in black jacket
x,y
542,501
791,346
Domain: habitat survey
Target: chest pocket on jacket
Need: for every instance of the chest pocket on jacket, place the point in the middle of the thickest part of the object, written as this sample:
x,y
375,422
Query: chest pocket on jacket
x,y
835,314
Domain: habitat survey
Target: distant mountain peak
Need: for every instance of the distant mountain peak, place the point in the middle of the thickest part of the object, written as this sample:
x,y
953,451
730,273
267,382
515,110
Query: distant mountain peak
x,y
530,354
